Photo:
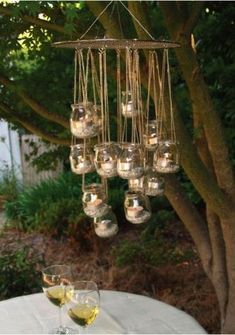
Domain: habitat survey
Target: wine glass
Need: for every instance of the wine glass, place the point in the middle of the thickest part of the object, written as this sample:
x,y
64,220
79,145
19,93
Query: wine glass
x,y
83,302
54,280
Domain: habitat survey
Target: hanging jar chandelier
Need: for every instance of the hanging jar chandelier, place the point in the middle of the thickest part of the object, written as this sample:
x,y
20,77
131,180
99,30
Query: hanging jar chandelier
x,y
144,146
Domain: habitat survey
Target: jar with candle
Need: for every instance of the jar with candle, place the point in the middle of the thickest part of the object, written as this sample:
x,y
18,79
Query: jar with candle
x,y
150,135
95,200
106,160
137,207
154,184
136,184
84,122
166,157
130,163
106,225
81,159
128,107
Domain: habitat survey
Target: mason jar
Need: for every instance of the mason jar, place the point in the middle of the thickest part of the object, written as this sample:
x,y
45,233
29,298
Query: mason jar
x,y
166,157
84,122
137,207
95,200
81,159
106,225
130,163
106,160
154,184
128,107
150,135
136,184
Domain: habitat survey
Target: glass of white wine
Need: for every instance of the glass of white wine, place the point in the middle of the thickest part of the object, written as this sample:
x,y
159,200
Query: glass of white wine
x,y
55,279
83,302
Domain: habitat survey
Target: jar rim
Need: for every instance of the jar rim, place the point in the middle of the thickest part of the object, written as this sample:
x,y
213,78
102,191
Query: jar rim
x,y
80,145
168,142
133,194
126,145
106,144
82,103
95,186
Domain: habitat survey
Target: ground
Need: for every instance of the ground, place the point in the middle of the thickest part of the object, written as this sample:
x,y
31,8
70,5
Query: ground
x,y
184,285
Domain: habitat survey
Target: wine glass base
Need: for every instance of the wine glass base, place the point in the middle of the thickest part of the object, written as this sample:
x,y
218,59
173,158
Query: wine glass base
x,y
63,330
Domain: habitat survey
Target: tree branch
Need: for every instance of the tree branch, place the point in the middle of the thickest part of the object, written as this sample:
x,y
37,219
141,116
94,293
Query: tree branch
x,y
34,20
40,110
32,128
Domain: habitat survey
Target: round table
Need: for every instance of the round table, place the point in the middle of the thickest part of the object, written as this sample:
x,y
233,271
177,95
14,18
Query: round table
x,y
121,313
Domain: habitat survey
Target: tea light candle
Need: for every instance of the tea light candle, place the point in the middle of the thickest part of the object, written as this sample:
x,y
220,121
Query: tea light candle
x,y
153,185
108,165
163,162
153,140
103,225
127,108
134,212
125,166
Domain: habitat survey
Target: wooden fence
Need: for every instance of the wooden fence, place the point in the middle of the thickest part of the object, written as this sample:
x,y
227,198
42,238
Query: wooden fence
x,y
30,174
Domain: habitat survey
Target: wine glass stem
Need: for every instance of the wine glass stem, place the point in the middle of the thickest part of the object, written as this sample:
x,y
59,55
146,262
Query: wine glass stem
x,y
60,316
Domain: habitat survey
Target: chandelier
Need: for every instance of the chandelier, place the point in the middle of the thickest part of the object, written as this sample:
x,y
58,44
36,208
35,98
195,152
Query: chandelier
x,y
129,133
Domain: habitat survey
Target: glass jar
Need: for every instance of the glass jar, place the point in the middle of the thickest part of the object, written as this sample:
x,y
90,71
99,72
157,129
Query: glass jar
x,y
95,200
84,122
106,225
151,135
137,207
166,157
130,163
81,159
128,108
154,184
106,160
136,184
98,116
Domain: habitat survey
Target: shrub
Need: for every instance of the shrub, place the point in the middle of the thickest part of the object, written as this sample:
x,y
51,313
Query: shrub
x,y
152,250
19,273
9,184
53,204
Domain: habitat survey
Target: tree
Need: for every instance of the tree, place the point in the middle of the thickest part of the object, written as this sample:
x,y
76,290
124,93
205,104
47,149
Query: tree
x,y
204,155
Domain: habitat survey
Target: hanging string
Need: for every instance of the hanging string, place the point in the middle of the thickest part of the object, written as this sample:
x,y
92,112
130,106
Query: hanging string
x,y
93,79
75,78
162,102
101,92
172,127
135,18
119,112
106,101
82,77
98,17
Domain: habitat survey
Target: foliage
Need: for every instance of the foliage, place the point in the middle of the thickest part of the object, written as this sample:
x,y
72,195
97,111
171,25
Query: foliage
x,y
52,205
9,184
154,250
19,273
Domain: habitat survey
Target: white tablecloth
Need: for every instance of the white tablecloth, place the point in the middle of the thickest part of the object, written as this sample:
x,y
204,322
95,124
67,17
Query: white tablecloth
x,y
121,313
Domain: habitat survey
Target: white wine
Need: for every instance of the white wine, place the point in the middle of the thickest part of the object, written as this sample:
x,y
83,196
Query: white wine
x,y
56,294
83,314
